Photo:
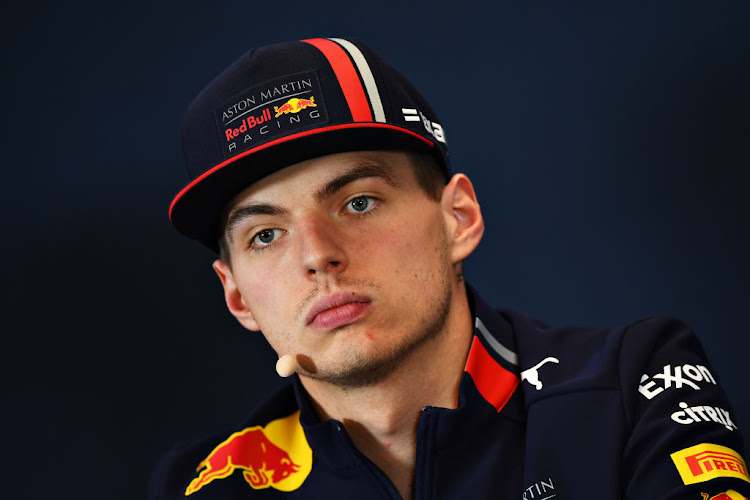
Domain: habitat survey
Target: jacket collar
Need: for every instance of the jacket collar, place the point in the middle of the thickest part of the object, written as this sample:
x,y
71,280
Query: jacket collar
x,y
492,364
488,386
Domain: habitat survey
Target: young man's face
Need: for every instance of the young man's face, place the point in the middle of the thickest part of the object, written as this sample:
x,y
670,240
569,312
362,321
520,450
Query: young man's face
x,y
343,261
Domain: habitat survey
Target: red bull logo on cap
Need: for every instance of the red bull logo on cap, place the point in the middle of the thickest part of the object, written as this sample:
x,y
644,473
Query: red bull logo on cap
x,y
294,105
275,456
727,495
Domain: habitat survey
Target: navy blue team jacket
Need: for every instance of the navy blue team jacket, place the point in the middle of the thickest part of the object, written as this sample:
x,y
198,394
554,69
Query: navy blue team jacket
x,y
632,412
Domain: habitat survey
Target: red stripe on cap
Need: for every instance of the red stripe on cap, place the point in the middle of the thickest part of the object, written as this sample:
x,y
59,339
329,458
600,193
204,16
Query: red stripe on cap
x,y
495,383
281,140
347,76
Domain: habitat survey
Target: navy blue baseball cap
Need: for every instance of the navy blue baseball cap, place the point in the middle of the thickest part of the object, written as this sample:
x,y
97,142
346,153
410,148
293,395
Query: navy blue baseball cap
x,y
282,104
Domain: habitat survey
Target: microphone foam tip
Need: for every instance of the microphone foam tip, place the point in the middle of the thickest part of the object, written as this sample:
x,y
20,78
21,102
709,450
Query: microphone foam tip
x,y
286,365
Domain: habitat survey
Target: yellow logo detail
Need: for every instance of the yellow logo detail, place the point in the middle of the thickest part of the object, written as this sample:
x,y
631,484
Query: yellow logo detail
x,y
727,495
276,456
706,461
294,105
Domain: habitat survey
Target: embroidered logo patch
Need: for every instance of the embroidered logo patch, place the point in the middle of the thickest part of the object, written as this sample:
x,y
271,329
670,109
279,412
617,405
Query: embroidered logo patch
x,y
275,456
270,110
706,461
688,415
542,490
532,374
294,105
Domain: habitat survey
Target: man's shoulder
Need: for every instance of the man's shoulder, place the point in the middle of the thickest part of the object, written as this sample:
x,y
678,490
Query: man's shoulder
x,y
639,337
575,358
638,403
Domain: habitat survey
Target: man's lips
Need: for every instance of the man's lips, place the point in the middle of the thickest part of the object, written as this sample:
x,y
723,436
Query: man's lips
x,y
340,309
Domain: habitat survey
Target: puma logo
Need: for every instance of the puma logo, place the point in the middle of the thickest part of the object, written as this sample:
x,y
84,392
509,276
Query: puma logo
x,y
532,374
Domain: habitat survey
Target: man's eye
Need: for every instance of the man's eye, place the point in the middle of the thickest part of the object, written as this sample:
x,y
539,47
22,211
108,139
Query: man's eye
x,y
361,204
265,237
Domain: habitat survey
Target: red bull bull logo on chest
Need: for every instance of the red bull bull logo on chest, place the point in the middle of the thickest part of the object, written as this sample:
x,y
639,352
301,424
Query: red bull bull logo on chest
x,y
275,456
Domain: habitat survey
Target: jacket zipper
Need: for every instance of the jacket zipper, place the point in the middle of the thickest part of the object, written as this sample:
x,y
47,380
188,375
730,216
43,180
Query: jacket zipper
x,y
379,474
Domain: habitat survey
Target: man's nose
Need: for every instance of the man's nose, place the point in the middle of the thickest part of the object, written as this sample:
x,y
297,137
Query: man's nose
x,y
321,247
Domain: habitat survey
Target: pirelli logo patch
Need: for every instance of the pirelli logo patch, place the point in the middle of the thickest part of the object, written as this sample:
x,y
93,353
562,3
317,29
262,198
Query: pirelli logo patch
x,y
706,461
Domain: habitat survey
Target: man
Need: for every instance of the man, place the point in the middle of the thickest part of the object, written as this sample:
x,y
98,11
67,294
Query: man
x,y
321,176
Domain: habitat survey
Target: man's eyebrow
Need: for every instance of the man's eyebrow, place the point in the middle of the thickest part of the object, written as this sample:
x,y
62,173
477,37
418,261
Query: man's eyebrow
x,y
243,212
362,171
359,172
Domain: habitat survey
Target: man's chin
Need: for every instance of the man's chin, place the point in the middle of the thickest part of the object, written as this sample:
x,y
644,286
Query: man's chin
x,y
361,370
351,377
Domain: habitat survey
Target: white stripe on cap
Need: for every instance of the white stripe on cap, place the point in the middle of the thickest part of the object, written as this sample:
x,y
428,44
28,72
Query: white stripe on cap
x,y
369,81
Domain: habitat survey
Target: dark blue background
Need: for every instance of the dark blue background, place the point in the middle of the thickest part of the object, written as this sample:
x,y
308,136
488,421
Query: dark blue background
x,y
608,144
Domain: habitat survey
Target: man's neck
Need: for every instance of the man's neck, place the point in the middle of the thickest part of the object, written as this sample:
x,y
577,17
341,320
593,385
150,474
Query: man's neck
x,y
382,418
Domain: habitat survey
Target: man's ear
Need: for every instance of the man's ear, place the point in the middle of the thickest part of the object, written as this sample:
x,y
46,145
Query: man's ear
x,y
463,217
233,298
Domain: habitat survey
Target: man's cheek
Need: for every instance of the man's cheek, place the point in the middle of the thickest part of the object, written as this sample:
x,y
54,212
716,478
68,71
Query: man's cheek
x,y
386,243
262,279
260,293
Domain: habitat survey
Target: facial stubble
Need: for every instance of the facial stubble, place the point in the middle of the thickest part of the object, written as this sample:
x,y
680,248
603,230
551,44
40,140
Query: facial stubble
x,y
363,370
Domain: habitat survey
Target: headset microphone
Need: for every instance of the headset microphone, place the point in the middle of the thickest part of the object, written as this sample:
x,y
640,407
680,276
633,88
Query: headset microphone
x,y
286,365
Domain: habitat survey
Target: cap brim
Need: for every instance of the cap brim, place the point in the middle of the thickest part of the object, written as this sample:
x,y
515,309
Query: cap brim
x,y
197,208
